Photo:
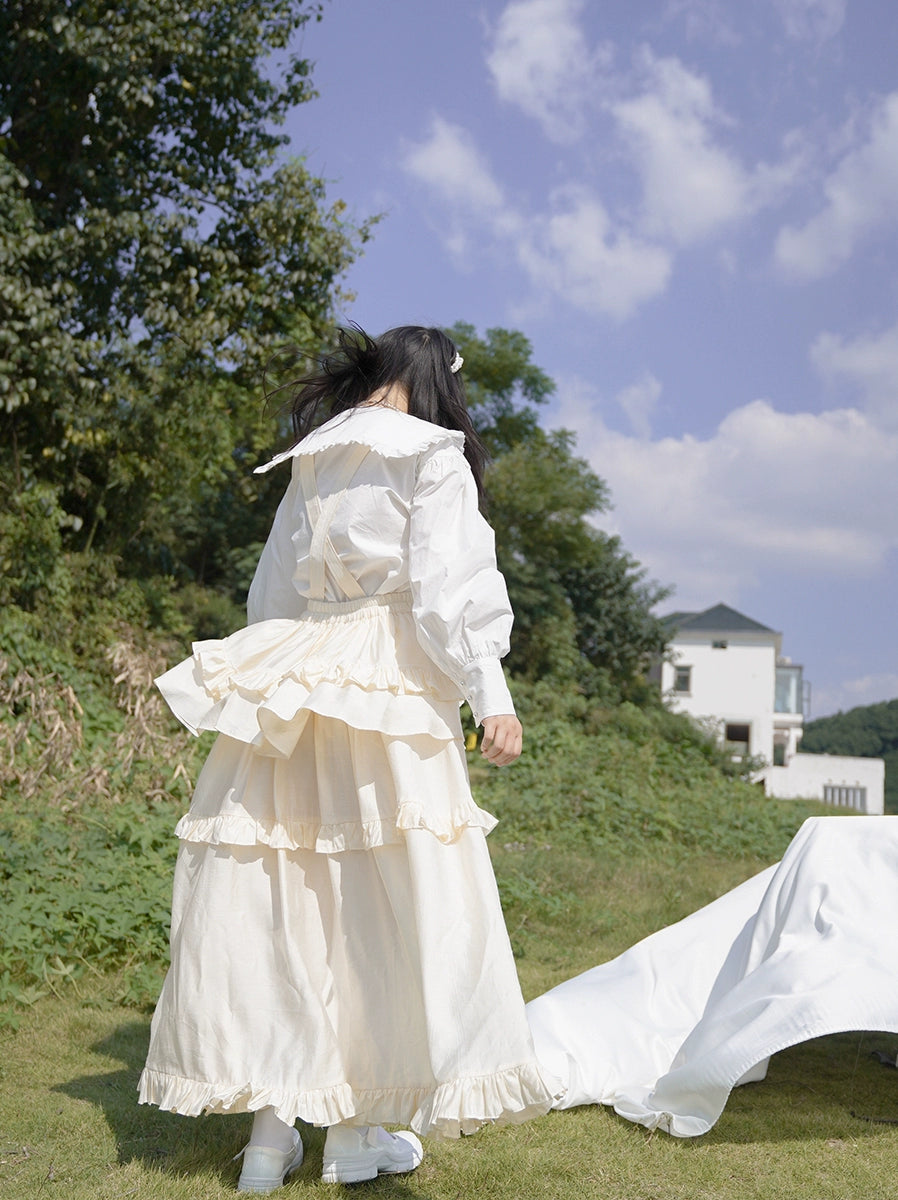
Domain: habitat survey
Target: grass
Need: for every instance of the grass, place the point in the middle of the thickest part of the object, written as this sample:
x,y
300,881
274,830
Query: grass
x,y
70,1125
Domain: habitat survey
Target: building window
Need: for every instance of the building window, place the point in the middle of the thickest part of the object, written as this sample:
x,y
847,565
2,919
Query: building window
x,y
845,797
737,738
788,693
683,679
719,644
779,754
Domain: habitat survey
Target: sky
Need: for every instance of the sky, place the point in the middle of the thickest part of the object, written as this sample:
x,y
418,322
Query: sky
x,y
690,209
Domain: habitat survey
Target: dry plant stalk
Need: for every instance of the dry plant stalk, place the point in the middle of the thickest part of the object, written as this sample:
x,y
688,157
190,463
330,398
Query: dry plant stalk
x,y
148,732
135,669
39,746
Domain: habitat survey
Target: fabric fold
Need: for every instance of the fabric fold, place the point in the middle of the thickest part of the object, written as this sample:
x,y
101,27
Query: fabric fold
x,y
510,1097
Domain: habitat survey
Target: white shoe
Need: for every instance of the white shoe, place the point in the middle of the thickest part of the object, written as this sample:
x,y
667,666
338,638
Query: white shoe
x,y
265,1168
353,1153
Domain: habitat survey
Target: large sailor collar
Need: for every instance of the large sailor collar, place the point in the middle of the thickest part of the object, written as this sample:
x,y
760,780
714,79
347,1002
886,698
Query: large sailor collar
x,y
384,430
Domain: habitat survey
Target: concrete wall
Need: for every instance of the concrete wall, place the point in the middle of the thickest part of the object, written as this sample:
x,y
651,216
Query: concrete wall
x,y
787,731
807,775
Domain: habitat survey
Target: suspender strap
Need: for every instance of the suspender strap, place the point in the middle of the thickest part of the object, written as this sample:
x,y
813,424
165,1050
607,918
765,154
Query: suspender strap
x,y
320,515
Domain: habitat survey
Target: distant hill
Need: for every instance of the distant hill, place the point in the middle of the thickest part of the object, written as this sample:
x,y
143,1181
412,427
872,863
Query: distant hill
x,y
870,731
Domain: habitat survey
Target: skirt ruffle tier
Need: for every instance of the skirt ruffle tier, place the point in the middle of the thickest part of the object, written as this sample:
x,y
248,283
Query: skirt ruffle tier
x,y
359,662
340,789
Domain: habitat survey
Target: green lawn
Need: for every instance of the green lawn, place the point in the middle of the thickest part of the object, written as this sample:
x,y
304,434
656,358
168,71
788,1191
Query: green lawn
x,y
70,1125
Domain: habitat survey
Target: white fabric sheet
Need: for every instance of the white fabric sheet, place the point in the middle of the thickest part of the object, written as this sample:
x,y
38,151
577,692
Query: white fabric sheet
x,y
808,947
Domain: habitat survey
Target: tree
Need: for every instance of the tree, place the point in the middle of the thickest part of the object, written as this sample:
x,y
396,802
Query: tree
x,y
582,604
154,249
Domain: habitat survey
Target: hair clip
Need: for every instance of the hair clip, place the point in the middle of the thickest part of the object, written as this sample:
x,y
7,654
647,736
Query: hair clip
x,y
457,363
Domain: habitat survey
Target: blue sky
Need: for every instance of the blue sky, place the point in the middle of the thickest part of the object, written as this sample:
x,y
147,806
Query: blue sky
x,y
690,208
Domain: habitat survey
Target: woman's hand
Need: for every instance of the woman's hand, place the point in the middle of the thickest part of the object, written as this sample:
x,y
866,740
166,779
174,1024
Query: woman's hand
x,y
502,739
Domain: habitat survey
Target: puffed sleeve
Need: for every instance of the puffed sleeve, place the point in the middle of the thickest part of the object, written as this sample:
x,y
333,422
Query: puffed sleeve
x,y
271,593
459,599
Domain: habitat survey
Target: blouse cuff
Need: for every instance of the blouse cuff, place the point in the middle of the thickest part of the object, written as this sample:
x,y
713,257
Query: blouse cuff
x,y
486,690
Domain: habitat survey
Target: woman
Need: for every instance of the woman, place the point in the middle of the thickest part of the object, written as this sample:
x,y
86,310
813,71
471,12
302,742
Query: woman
x,y
338,949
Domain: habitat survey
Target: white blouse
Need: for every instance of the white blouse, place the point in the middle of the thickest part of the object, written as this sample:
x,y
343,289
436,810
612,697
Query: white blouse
x,y
409,521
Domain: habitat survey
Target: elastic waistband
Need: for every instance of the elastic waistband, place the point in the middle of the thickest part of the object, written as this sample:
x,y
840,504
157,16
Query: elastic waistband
x,y
401,601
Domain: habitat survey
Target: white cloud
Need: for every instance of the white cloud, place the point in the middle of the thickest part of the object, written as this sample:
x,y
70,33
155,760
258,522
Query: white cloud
x,y
572,250
575,248
575,252
814,20
703,20
639,401
539,61
868,363
767,492
691,185
449,163
861,196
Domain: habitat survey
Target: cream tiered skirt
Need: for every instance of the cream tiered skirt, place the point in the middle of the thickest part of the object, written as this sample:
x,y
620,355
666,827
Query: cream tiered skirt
x,y
338,947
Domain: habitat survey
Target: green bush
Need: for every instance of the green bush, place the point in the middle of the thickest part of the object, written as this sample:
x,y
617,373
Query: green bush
x,y
30,545
86,891
624,778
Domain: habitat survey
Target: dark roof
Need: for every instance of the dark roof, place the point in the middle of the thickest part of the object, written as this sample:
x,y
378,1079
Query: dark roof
x,y
718,619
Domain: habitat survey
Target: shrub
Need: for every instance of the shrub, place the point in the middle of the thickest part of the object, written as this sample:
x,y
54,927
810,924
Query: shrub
x,y
623,778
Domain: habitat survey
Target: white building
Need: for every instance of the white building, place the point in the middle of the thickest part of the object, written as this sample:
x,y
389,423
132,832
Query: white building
x,y
727,671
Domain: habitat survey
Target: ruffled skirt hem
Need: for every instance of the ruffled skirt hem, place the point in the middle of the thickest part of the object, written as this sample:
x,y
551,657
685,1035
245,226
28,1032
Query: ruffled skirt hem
x,y
240,830
444,1111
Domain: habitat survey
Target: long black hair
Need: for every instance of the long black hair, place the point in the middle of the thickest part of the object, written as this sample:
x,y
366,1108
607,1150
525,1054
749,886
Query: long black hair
x,y
414,356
